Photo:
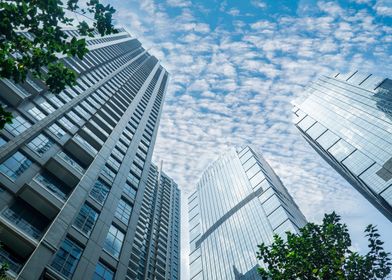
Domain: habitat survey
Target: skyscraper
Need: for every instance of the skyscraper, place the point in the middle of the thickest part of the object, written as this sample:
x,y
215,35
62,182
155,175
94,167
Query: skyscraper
x,y
238,204
76,171
347,119
156,250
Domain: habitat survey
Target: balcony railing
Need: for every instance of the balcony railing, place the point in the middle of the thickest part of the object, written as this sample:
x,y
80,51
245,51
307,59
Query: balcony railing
x,y
16,87
71,162
50,185
85,144
33,84
17,220
13,264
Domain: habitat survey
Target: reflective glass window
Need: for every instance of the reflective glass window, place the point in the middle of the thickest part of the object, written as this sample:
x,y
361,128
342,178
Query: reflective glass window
x,y
357,162
18,125
130,190
114,241
40,144
327,139
56,130
86,219
123,211
316,130
103,272
15,165
2,141
36,113
100,191
67,258
341,149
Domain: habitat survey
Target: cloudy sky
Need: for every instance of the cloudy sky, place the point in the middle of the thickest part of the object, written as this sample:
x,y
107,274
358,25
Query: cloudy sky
x,y
236,65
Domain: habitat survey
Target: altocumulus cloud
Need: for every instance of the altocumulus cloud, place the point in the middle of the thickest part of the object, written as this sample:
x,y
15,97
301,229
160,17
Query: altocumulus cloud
x,y
234,71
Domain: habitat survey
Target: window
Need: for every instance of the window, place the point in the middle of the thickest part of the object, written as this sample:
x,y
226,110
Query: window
x,y
40,144
18,125
26,218
133,179
56,130
100,191
138,159
123,211
130,190
108,173
119,155
113,163
86,219
2,141
53,184
66,123
102,272
15,165
74,117
37,113
58,103
67,258
47,107
114,241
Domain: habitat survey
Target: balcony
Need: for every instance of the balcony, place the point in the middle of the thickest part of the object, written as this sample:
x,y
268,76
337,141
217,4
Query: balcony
x,y
66,167
46,194
15,263
52,184
22,227
26,219
32,86
13,93
71,161
97,130
102,123
82,149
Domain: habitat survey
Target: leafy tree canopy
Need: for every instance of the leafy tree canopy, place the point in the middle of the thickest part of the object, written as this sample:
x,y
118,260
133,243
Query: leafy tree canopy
x,y
322,252
37,51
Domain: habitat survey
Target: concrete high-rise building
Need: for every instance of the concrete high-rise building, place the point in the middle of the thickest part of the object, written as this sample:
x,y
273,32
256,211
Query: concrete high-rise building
x,y
238,204
77,188
347,119
156,248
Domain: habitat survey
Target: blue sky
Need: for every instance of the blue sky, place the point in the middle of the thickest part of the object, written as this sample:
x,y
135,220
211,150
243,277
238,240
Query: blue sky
x,y
235,67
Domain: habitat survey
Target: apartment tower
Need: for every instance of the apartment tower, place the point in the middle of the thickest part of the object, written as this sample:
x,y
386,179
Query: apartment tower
x,y
347,119
238,204
76,175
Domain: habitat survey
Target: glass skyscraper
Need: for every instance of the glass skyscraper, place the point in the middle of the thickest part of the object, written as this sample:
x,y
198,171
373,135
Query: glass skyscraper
x,y
347,119
77,187
238,204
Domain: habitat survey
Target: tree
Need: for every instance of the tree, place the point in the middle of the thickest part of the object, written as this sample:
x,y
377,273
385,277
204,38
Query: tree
x,y
322,252
3,271
37,54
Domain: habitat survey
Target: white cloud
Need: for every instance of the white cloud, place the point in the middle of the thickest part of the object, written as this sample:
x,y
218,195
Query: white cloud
x,y
233,88
179,3
383,8
234,12
259,4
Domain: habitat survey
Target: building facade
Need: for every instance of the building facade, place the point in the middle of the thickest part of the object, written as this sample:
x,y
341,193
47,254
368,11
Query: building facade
x,y
347,119
238,204
156,248
76,168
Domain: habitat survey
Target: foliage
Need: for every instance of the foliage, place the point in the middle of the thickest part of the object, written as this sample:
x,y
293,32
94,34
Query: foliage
x,y
3,271
36,53
5,117
323,252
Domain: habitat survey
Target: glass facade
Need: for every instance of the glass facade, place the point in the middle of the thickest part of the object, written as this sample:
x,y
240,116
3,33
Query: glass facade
x,y
238,204
347,119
